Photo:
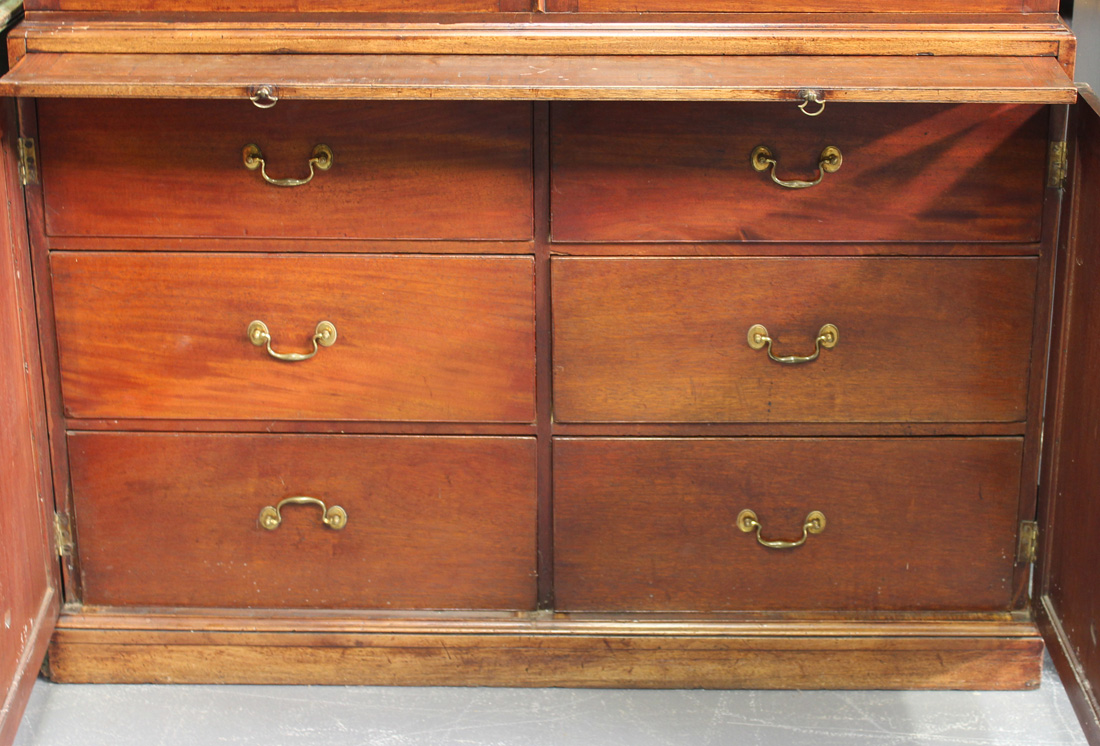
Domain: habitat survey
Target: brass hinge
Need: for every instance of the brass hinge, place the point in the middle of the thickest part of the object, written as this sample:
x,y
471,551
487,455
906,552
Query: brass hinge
x,y
62,536
1057,165
28,161
1028,548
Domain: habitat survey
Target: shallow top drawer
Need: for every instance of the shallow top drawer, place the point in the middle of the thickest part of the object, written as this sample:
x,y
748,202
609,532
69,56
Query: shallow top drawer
x,y
398,170
901,172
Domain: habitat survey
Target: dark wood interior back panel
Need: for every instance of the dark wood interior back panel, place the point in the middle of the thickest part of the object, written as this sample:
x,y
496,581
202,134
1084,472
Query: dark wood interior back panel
x,y
432,522
910,523
419,337
175,168
665,340
910,172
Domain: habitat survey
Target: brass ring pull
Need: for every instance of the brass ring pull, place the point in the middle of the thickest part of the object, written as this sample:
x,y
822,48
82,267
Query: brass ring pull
x,y
264,97
321,158
811,97
827,337
324,335
335,517
814,524
829,163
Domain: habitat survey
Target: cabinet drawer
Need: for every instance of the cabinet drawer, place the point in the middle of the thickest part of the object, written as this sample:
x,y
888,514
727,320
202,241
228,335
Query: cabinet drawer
x,y
432,522
683,172
446,170
666,340
653,524
418,338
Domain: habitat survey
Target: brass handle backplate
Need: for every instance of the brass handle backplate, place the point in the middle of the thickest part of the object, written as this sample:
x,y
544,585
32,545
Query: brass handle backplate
x,y
321,158
829,162
324,335
335,517
814,524
827,337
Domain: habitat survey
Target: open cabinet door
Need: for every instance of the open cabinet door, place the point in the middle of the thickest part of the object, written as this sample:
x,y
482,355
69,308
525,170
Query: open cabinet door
x,y
1067,597
28,567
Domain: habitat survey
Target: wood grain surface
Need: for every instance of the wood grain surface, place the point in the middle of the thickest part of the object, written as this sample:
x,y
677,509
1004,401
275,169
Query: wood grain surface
x,y
682,172
650,525
798,6
965,78
665,340
432,522
175,168
790,656
878,34
159,335
321,6
285,6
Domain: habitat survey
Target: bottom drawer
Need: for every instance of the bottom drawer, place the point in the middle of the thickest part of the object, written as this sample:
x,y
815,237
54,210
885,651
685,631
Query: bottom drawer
x,y
432,522
909,523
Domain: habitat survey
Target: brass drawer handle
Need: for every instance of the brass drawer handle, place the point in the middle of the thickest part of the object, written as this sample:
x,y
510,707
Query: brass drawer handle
x,y
321,158
814,524
324,335
827,337
335,517
811,97
829,163
264,97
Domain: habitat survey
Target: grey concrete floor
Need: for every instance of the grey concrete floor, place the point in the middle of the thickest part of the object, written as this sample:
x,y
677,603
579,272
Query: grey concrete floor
x,y
179,715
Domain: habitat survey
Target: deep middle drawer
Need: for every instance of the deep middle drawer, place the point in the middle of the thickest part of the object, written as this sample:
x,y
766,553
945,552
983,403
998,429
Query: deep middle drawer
x,y
895,340
414,337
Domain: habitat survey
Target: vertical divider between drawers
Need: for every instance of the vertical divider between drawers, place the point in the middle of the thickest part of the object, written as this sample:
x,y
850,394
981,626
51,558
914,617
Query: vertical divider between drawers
x,y
543,359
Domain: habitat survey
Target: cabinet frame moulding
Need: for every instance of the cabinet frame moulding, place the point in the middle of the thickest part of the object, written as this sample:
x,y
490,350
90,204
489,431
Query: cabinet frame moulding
x,y
548,650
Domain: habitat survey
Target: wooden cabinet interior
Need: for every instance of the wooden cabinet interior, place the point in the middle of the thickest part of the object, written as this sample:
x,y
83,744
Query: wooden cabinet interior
x,y
672,334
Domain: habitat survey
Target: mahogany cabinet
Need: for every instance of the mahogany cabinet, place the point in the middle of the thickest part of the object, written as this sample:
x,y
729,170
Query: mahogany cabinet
x,y
709,343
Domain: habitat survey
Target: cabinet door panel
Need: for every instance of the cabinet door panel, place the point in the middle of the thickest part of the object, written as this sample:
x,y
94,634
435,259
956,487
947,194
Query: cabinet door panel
x,y
28,582
1067,603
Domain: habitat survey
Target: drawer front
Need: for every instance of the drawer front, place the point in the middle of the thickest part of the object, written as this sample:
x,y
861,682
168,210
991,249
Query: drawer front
x,y
683,172
418,338
432,522
666,340
446,170
653,524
